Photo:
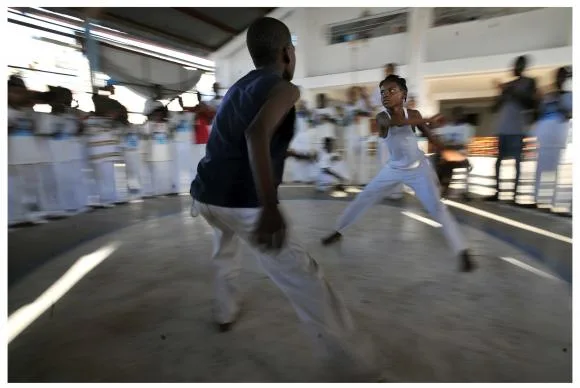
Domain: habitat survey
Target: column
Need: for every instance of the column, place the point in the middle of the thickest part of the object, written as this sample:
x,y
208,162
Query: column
x,y
419,22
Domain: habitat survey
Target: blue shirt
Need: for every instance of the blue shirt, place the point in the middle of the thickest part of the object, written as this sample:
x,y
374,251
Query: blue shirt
x,y
224,175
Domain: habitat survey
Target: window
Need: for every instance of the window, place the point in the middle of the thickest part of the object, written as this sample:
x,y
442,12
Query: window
x,y
453,15
369,27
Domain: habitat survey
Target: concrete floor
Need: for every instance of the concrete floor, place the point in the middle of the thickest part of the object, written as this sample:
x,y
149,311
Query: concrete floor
x,y
144,313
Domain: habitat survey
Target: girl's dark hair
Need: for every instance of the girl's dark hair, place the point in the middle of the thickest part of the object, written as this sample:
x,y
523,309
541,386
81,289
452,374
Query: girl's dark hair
x,y
400,81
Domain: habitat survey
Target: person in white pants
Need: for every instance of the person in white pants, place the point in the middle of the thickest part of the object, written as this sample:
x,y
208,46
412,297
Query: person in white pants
x,y
332,172
407,164
159,158
301,169
552,136
24,192
236,192
182,123
103,152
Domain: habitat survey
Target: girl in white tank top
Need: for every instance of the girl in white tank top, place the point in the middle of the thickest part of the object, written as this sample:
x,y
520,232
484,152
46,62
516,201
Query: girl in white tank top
x,y
407,164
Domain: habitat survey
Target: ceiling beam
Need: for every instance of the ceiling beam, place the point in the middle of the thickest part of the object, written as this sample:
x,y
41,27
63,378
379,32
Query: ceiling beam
x,y
145,28
192,12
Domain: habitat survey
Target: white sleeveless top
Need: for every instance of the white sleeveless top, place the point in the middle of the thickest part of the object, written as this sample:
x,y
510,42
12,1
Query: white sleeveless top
x,y
183,124
404,151
159,145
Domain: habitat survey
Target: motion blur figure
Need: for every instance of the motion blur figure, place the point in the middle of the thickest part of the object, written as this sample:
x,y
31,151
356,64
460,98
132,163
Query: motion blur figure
x,y
552,136
332,171
302,170
24,192
517,98
455,135
159,158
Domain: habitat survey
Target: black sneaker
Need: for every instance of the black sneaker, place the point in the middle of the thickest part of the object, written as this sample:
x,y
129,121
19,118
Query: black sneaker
x,y
466,263
332,238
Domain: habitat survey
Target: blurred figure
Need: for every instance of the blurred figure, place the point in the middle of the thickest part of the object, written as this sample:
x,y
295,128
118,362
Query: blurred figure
x,y
65,152
552,131
301,169
324,117
354,110
159,158
103,148
133,161
517,98
455,136
204,115
24,196
332,170
182,125
215,102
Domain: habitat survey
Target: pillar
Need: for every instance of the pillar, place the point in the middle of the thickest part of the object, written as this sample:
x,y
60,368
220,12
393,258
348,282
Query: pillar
x,y
419,22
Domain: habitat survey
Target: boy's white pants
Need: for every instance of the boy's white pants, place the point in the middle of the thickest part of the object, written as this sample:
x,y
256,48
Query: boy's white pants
x,y
292,269
423,181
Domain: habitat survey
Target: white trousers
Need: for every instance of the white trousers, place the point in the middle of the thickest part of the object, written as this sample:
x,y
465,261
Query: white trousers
x,y
292,269
106,182
24,193
423,181
548,161
382,160
48,184
162,177
67,185
80,199
182,166
134,167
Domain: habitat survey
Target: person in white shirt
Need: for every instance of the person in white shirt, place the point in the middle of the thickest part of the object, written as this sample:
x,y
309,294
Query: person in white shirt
x,y
215,102
382,149
332,170
324,118
103,149
159,156
356,110
301,169
456,135
24,192
408,165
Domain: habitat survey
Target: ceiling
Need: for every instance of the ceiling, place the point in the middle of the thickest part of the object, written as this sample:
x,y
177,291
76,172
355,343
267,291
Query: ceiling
x,y
197,31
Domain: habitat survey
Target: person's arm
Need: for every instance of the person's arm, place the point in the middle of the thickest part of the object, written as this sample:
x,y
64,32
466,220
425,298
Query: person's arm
x,y
382,124
258,136
297,155
425,126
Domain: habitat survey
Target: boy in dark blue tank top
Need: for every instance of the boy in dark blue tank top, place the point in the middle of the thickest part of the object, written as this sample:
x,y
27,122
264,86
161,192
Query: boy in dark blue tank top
x,y
236,192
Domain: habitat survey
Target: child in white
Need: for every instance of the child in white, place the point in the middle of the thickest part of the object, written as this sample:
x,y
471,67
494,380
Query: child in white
x,y
408,165
332,172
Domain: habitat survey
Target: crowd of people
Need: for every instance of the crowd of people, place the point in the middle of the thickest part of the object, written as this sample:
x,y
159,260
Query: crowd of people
x,y
64,162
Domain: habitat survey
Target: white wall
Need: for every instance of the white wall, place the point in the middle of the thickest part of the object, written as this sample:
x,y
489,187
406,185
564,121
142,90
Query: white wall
x,y
323,58
530,31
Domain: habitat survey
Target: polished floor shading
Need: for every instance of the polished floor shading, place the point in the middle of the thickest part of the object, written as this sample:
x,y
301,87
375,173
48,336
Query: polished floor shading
x,y
142,310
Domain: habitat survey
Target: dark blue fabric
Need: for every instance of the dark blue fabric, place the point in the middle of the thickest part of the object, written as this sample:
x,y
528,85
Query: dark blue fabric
x,y
224,175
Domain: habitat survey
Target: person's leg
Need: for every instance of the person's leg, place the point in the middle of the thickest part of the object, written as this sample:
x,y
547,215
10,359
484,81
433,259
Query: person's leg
x,y
300,278
500,156
423,181
519,153
375,191
557,159
226,263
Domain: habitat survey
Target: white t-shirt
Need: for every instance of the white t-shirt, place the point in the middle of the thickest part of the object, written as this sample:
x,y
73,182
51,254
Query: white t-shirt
x,y
456,134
